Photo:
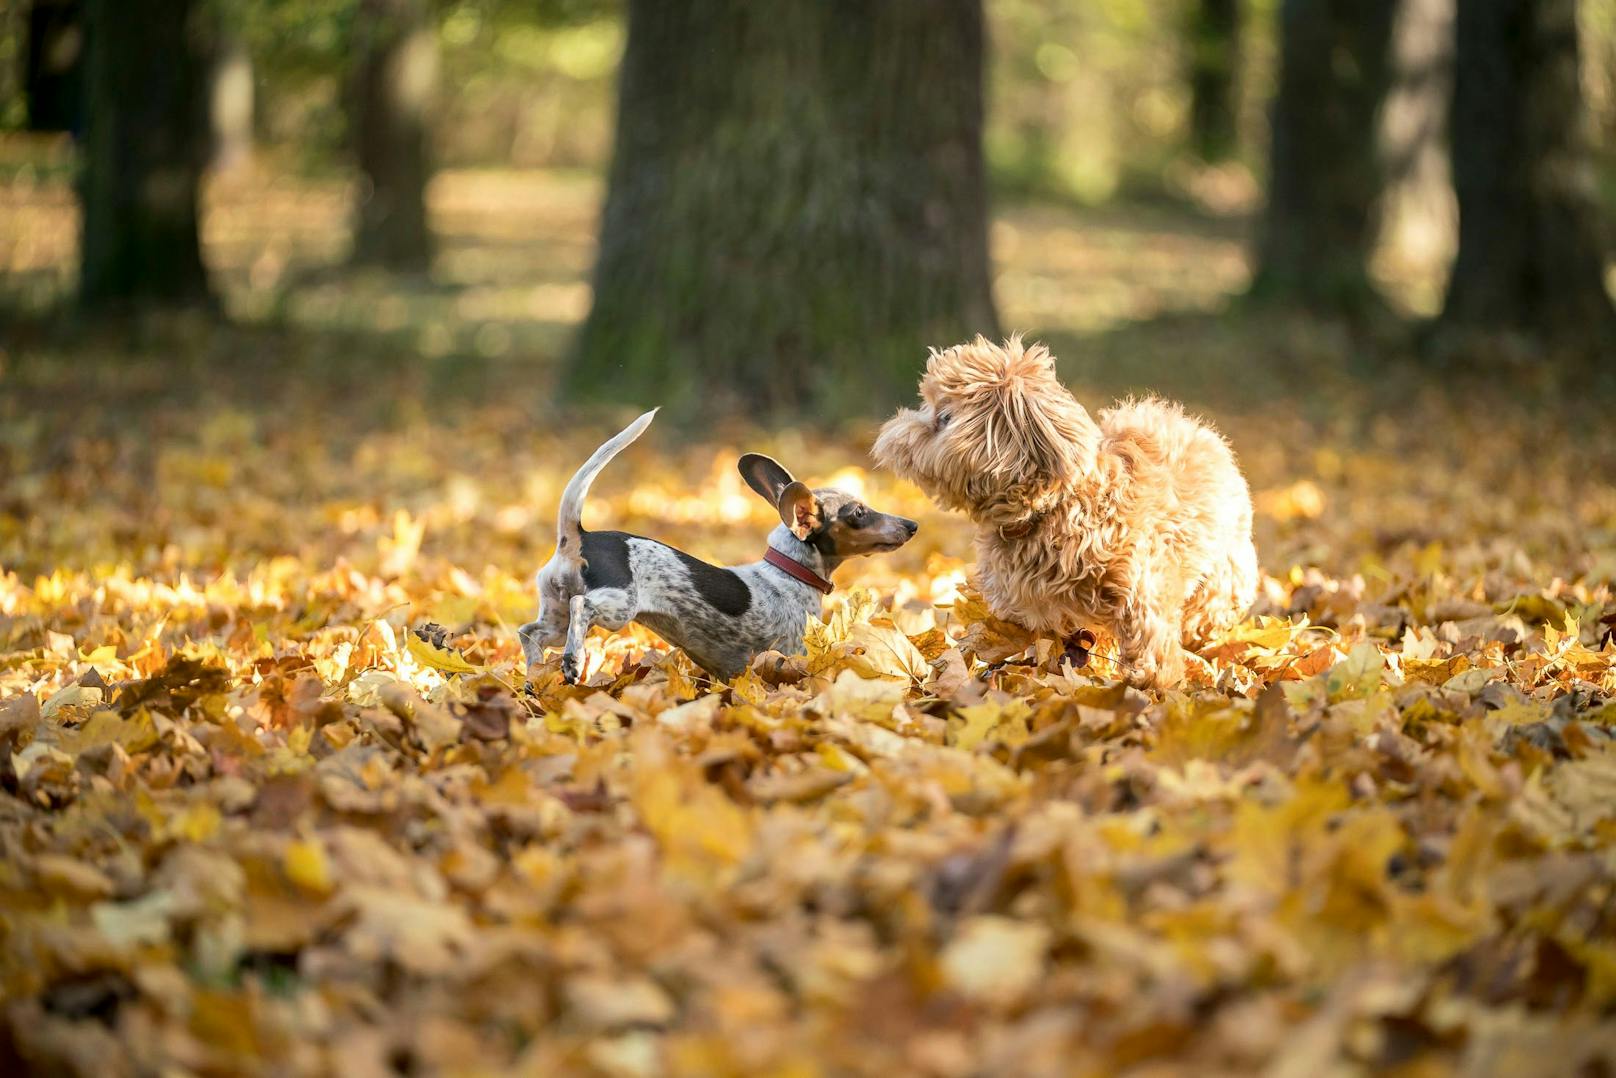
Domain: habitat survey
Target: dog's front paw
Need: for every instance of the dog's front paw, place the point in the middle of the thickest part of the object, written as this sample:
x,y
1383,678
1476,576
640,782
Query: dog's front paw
x,y
571,666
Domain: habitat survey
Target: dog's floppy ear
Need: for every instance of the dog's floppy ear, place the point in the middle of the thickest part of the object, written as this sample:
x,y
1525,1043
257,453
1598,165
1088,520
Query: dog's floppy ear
x,y
765,476
1054,434
799,509
1052,431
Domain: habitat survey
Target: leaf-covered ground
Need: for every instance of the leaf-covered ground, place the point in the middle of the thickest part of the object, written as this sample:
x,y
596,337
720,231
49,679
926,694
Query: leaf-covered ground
x,y
274,798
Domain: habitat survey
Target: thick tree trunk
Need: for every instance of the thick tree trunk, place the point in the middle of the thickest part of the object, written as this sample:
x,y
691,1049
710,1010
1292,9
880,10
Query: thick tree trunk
x,y
394,81
1214,53
1530,257
1325,176
796,208
145,145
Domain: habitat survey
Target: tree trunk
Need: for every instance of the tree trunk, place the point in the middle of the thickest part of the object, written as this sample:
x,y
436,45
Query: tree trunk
x,y
796,207
1214,47
1530,258
144,151
1325,177
394,81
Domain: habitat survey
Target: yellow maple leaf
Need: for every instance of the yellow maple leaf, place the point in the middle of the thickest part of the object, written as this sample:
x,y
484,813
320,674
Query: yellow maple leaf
x,y
449,662
1004,720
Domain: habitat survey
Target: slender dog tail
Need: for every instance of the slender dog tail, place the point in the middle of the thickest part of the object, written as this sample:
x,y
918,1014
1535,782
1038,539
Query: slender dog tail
x,y
569,529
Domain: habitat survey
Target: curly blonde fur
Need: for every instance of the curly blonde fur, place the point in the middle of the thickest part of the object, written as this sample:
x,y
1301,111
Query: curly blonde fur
x,y
1136,520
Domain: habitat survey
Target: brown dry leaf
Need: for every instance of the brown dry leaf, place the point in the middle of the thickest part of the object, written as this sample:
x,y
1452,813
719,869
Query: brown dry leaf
x,y
984,636
432,726
423,936
67,877
600,1003
799,786
488,717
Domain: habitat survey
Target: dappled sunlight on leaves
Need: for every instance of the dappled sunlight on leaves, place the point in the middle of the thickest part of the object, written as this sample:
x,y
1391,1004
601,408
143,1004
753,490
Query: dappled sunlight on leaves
x,y
279,794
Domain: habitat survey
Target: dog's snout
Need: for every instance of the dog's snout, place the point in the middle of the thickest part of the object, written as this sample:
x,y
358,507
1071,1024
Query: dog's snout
x,y
909,526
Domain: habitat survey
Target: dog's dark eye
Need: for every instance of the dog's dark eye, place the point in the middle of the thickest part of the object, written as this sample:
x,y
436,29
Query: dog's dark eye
x,y
861,515
942,420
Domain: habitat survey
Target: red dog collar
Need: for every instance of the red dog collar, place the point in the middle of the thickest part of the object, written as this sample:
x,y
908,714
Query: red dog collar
x,y
794,568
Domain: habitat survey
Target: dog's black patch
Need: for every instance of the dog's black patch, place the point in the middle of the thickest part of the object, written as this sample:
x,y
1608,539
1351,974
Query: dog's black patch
x,y
606,560
723,590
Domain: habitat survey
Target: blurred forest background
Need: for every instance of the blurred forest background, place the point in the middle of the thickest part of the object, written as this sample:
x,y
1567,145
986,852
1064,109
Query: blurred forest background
x,y
799,198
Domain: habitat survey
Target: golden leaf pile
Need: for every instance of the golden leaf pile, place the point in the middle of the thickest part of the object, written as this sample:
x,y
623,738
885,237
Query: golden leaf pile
x,y
276,798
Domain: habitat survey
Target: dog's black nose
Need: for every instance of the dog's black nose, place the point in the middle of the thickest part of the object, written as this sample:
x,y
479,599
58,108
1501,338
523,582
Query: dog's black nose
x,y
909,526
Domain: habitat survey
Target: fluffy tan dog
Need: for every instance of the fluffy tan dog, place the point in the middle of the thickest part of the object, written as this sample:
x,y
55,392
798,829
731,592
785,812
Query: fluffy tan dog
x,y
1138,523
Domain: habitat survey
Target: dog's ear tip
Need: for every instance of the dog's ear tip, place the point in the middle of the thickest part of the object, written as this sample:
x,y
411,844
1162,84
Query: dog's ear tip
x,y
765,475
799,508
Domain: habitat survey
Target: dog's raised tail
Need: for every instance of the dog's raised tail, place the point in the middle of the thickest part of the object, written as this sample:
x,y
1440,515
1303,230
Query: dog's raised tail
x,y
569,529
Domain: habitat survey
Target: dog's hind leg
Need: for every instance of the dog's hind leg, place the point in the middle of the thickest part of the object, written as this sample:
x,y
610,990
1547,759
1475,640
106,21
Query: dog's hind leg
x,y
1152,654
610,608
535,636
1149,627
1223,598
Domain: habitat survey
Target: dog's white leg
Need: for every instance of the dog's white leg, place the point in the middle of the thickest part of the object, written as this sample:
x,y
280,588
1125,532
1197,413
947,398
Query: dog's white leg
x,y
535,639
610,608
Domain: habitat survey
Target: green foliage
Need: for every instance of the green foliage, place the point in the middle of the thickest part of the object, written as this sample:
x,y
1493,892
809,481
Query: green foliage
x,y
525,82
1087,100
300,55
532,82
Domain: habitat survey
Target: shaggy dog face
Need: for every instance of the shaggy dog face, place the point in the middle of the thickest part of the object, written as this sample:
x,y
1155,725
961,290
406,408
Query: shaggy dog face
x,y
1137,520
997,436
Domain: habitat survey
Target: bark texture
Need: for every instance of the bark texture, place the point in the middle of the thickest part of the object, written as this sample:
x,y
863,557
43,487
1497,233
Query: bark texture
x,y
796,205
1530,255
1325,176
394,82
144,153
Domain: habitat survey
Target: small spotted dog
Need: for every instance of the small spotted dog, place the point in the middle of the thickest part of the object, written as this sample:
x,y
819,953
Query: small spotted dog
x,y
721,617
